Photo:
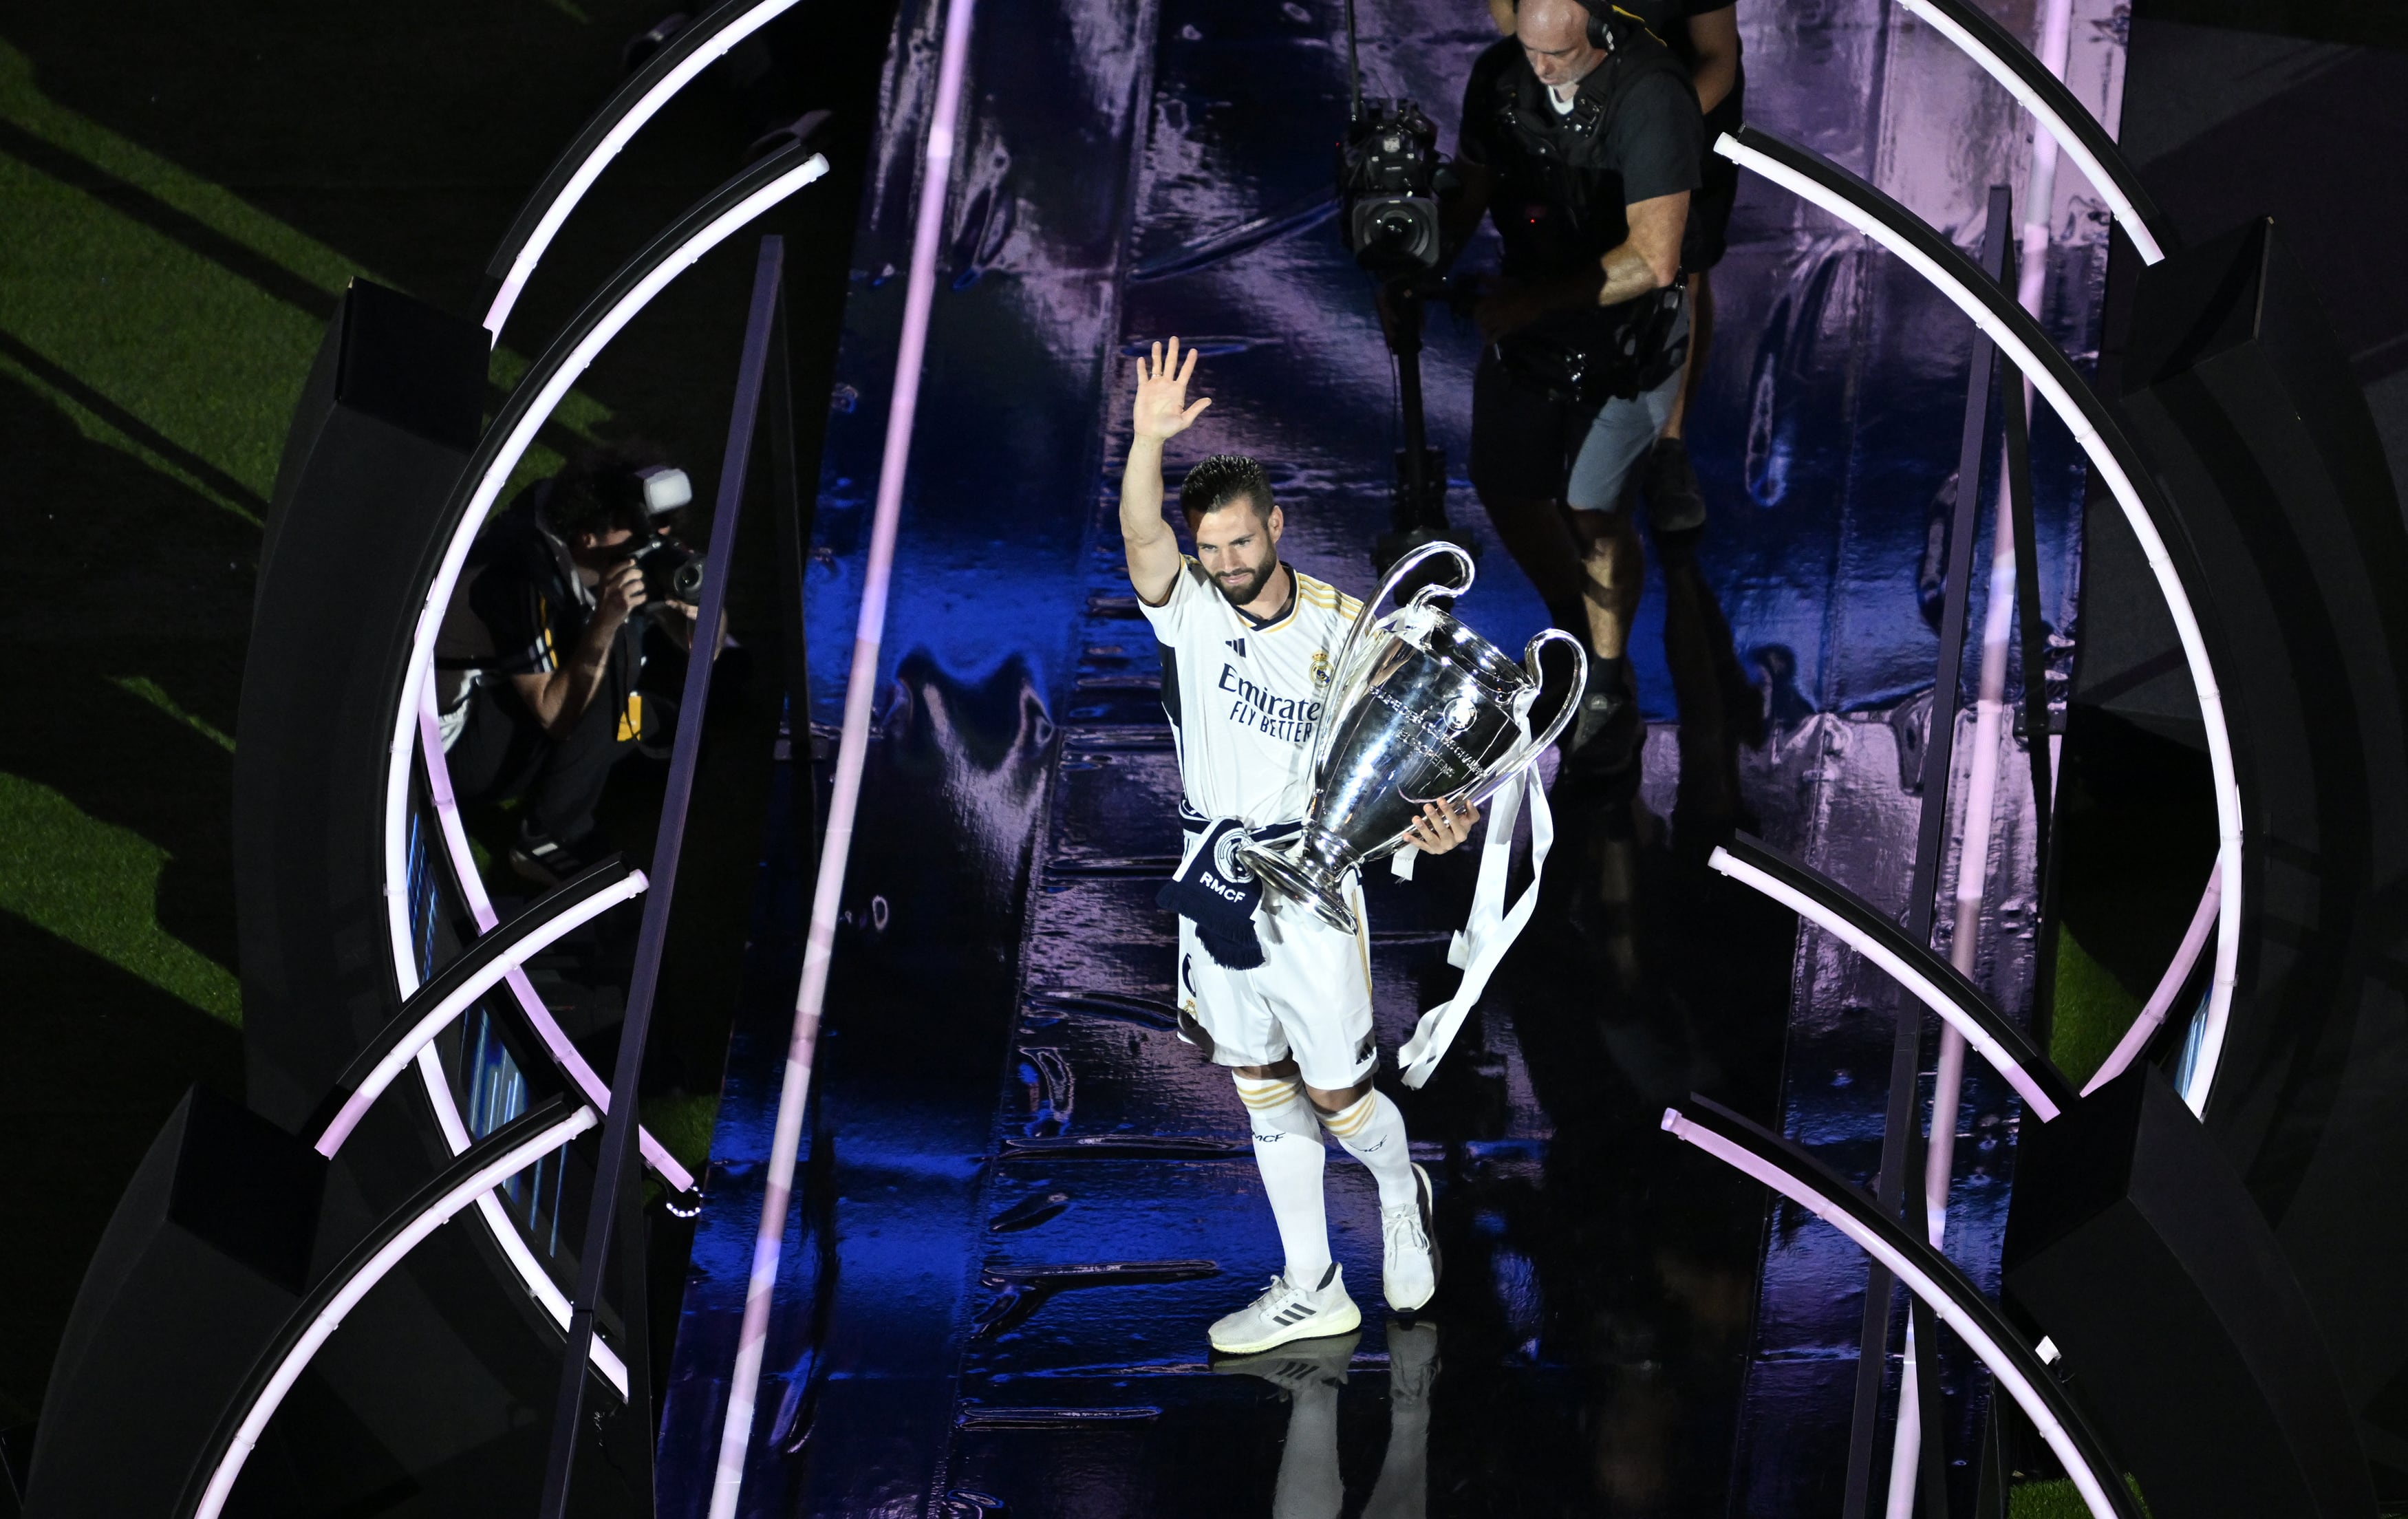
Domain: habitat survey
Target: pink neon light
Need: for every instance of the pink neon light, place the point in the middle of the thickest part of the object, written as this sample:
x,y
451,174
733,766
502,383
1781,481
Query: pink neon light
x,y
1992,1353
2169,986
480,907
744,1381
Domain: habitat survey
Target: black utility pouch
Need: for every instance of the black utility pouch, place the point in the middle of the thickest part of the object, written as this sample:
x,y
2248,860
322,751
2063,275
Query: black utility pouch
x,y
1610,355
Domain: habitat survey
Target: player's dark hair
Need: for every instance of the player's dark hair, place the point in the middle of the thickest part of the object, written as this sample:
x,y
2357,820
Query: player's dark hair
x,y
600,489
1219,481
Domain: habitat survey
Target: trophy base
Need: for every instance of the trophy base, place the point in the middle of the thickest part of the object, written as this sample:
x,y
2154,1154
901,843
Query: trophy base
x,y
1295,882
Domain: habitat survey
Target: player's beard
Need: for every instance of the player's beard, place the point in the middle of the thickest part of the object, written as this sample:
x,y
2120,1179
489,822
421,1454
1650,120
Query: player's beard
x,y
1240,595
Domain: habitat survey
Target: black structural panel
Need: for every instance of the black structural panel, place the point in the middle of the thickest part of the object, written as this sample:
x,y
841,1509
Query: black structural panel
x,y
207,1254
1964,1299
2132,1242
1876,924
260,1366
388,418
2241,394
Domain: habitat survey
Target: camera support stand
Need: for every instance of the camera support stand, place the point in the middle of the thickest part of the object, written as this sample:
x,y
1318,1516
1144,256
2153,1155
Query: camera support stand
x,y
1418,501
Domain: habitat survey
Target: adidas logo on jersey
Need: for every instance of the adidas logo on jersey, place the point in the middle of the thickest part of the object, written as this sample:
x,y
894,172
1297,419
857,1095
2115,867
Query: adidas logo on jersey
x,y
1240,645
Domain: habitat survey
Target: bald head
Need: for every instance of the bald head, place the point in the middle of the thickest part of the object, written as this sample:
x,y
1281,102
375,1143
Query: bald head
x,y
1553,35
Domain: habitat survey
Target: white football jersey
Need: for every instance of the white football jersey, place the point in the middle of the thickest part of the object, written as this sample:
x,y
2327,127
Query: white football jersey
x,y
1245,700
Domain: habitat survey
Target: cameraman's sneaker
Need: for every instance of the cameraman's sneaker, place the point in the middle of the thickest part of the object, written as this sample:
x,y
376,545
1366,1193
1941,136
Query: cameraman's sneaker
x,y
1287,1312
1605,735
1296,1367
1409,1248
1675,502
546,861
1412,1362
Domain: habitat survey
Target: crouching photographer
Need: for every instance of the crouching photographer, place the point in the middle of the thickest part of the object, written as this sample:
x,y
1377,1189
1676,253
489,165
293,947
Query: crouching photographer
x,y
540,660
1582,139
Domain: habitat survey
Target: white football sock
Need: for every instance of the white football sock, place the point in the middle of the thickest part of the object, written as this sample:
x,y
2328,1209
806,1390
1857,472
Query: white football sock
x,y
1373,1132
1289,1152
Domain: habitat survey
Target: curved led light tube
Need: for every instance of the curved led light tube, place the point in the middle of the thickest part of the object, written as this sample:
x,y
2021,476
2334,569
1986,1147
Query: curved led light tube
x,y
538,1018
2136,1039
497,1158
719,215
699,45
1930,1275
1934,982
2003,56
434,1007
1810,175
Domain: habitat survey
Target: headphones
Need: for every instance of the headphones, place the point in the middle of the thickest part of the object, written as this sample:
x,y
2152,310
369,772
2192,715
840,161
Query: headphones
x,y
1603,28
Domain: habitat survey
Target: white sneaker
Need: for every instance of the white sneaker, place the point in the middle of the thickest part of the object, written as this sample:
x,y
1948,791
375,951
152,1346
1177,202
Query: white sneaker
x,y
1409,1248
1287,1312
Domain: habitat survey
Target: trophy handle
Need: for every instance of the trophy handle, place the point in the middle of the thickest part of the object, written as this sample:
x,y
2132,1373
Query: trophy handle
x,y
1395,576
1528,752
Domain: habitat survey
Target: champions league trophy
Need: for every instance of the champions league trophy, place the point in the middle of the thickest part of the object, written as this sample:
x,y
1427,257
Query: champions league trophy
x,y
1420,709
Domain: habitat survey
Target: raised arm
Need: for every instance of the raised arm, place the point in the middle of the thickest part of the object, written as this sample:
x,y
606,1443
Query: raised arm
x,y
1162,413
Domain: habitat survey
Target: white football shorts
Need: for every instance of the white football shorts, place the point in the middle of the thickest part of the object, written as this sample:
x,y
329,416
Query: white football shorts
x,y
1311,997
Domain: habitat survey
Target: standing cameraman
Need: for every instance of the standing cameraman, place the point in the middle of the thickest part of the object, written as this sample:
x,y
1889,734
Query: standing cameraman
x,y
1581,138
542,646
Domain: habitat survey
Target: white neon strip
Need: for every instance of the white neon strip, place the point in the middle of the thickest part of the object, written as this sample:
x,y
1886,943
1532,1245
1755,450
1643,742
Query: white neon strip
x,y
472,889
522,266
440,1015
1993,1354
2034,1096
464,535
869,632
2065,136
2169,986
2153,547
532,1276
505,1230
296,1360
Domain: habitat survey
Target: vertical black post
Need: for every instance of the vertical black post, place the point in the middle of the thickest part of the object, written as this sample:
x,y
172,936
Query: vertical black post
x,y
793,519
635,1310
619,1127
1417,506
2034,634
1898,1184
1410,505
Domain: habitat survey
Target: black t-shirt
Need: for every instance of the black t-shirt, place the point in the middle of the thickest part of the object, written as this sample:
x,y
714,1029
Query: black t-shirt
x,y
1670,20
1563,180
527,611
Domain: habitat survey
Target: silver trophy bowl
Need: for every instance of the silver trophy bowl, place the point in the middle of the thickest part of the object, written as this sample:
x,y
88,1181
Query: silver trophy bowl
x,y
1420,709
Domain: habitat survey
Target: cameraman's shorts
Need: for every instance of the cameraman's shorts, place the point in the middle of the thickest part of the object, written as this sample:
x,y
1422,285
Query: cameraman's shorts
x,y
1527,447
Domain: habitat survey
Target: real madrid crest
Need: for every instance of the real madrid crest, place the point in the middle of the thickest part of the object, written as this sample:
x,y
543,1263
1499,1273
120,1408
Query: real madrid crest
x,y
1321,669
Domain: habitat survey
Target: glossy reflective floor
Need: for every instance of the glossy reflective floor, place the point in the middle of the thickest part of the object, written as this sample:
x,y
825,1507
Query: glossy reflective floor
x,y
1027,1197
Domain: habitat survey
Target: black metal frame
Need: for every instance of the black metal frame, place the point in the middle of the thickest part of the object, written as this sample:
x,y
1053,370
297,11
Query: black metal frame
x,y
1965,1297
254,1383
578,889
1870,921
